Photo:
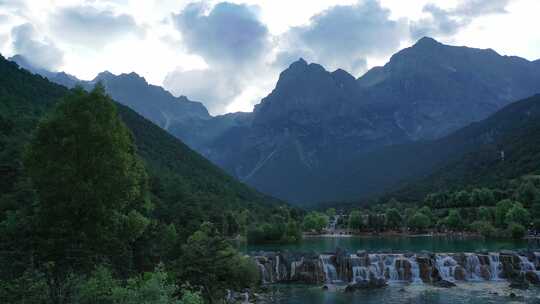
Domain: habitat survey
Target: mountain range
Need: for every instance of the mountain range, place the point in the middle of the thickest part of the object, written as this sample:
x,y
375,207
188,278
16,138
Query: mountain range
x,y
316,136
326,136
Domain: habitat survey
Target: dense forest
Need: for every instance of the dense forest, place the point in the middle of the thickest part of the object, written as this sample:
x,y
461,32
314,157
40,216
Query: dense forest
x,y
98,205
510,210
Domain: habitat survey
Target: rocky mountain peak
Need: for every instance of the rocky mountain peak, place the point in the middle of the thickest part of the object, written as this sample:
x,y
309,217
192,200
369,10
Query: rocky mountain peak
x,y
104,76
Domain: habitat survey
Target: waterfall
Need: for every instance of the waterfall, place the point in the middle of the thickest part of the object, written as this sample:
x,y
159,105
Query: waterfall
x,y
526,265
391,269
294,265
375,267
415,270
495,266
473,267
278,277
446,265
360,273
262,269
329,269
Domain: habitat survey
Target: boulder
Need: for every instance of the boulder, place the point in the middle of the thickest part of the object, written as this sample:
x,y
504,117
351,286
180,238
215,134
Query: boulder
x,y
406,266
365,284
532,277
444,284
424,263
460,274
485,272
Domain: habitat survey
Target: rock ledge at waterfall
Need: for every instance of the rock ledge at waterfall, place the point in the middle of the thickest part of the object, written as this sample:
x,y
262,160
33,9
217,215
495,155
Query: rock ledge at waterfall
x,y
363,270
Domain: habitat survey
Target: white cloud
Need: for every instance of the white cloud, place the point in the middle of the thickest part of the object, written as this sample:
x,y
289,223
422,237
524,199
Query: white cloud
x,y
345,36
89,26
40,52
229,55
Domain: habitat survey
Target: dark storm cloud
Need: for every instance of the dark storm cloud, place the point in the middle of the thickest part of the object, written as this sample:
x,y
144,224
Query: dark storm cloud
x,y
39,52
89,26
343,36
447,22
228,34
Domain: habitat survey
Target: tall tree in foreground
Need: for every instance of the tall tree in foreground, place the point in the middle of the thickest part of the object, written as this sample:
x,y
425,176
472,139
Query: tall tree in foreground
x,y
91,186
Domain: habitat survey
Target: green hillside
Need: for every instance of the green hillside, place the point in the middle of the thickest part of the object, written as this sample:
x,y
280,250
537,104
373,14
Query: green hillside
x,y
513,131
187,188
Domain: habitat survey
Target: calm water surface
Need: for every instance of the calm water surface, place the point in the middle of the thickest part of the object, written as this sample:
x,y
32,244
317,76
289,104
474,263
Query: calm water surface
x,y
379,244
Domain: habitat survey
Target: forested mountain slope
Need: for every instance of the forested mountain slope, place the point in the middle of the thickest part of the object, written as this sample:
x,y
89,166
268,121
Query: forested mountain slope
x,y
186,187
503,147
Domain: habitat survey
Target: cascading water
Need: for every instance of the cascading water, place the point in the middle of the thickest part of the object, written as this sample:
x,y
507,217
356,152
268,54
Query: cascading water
x,y
294,265
495,266
473,267
397,267
278,277
526,265
329,269
375,267
446,265
264,273
394,275
415,270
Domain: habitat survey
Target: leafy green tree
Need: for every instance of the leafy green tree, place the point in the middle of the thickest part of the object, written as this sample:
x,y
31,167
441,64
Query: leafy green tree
x,y
243,218
91,185
485,228
331,212
419,221
454,221
294,233
315,221
151,287
376,221
427,212
501,210
211,263
485,214
528,194
98,288
355,220
517,231
393,218
462,199
28,288
482,197
517,214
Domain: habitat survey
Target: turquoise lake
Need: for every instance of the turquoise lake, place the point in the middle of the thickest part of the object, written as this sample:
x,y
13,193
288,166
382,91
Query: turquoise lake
x,y
386,243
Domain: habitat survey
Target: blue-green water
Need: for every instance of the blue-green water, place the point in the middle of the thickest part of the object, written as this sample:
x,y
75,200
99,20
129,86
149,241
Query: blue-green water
x,y
489,292
466,293
384,244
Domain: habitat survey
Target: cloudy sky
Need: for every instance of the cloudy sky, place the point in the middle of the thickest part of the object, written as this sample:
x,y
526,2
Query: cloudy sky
x,y
228,55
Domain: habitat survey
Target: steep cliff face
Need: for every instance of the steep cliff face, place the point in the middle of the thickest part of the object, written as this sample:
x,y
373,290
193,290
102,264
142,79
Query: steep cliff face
x,y
435,88
304,140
